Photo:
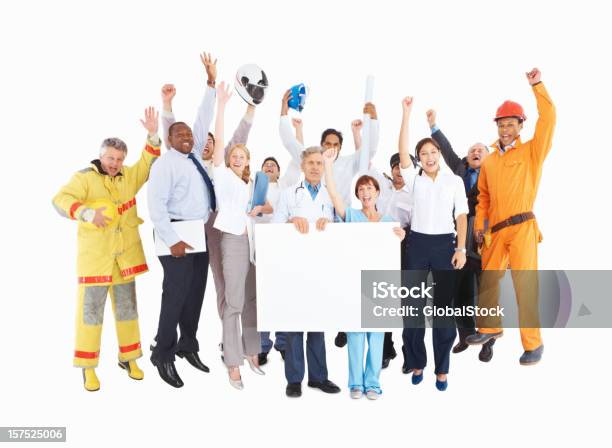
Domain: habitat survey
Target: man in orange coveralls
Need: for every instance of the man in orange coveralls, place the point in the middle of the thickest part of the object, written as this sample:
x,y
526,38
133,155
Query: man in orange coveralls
x,y
508,185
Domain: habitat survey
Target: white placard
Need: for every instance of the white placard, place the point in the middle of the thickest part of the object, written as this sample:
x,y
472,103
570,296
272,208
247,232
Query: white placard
x,y
191,232
312,282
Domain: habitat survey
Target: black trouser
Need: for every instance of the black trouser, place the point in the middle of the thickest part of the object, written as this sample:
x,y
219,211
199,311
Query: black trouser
x,y
388,349
467,295
430,253
182,296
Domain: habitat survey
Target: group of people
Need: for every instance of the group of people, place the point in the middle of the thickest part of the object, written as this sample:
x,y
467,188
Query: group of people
x,y
201,178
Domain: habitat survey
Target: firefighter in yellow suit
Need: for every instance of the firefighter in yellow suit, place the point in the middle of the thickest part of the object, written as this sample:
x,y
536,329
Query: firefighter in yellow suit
x,y
102,198
508,183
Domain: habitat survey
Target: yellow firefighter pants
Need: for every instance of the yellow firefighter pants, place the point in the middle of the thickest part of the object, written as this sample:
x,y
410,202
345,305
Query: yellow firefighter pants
x,y
515,246
90,315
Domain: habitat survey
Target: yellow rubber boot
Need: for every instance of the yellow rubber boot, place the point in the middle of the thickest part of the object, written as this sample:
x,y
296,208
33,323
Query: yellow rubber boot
x,y
132,369
90,380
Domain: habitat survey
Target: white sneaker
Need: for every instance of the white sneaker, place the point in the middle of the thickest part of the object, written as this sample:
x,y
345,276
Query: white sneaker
x,y
372,394
356,394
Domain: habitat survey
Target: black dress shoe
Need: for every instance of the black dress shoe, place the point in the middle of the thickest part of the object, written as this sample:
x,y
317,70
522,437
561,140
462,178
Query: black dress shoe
x,y
486,352
193,359
326,386
262,358
385,362
460,346
340,340
294,390
168,373
405,369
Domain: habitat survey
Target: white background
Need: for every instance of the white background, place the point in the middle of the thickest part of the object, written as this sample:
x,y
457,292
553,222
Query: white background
x,y
74,73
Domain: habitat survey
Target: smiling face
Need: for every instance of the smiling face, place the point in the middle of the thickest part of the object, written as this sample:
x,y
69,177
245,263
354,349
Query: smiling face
x,y
367,192
429,156
508,129
112,161
208,149
476,155
238,160
270,169
181,138
398,179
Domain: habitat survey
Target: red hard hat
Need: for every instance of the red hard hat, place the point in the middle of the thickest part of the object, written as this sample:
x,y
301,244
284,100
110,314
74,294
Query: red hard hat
x,y
510,109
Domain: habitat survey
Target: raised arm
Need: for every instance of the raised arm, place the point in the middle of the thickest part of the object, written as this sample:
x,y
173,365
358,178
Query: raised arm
x,y
290,142
241,133
206,111
140,170
167,93
547,118
299,129
407,169
223,96
450,157
330,156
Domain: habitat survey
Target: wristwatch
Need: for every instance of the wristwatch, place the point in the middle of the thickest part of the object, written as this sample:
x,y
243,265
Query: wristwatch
x,y
210,83
460,249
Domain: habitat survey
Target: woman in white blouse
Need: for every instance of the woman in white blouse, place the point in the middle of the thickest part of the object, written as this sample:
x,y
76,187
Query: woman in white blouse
x,y
233,189
439,196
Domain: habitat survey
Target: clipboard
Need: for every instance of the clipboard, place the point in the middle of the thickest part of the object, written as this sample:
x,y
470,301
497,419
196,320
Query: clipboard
x,y
192,232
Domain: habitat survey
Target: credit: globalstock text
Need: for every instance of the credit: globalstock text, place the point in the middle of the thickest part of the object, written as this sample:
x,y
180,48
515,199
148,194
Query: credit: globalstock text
x,y
385,290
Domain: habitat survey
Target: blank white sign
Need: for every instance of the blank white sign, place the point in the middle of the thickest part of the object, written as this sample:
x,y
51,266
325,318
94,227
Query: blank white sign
x,y
312,282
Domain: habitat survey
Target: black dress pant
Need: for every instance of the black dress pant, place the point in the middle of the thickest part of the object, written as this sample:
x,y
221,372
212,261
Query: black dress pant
x,y
182,296
467,295
430,253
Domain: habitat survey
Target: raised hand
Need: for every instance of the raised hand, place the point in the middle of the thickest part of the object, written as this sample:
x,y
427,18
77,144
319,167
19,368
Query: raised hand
x,y
329,155
224,93
370,109
210,66
407,104
167,93
356,125
431,118
297,123
534,76
285,102
151,120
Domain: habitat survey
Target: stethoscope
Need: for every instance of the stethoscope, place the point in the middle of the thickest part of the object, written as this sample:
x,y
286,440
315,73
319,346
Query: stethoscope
x,y
302,191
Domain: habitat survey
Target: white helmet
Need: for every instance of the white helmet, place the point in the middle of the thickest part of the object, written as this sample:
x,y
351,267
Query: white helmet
x,y
251,84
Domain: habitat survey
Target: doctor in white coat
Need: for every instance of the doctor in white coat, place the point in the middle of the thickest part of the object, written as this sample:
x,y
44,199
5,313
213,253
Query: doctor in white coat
x,y
306,204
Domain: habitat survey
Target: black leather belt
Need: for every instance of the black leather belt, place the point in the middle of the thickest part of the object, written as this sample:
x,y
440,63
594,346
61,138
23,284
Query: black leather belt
x,y
512,221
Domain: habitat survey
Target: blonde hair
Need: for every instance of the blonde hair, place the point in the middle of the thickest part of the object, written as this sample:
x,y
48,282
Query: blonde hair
x,y
246,172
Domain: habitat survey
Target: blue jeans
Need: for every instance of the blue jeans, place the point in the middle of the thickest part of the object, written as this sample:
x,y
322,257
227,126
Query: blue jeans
x,y
279,341
358,377
315,354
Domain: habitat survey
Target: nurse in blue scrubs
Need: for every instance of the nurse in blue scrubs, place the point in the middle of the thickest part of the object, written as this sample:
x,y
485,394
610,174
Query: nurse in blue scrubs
x,y
361,379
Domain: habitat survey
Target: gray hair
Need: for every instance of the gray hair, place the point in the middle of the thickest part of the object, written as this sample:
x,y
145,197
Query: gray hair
x,y
113,142
311,150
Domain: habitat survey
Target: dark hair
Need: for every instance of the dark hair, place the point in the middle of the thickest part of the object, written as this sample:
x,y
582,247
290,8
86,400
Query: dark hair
x,y
330,131
211,135
423,142
176,123
273,160
364,180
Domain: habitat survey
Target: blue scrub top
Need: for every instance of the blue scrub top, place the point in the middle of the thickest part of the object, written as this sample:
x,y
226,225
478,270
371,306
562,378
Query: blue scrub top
x,y
356,215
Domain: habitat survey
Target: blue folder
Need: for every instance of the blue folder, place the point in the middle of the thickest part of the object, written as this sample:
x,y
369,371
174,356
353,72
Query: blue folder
x,y
260,190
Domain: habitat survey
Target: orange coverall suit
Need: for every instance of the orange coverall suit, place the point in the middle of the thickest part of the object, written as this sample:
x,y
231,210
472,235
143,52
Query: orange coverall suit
x,y
508,185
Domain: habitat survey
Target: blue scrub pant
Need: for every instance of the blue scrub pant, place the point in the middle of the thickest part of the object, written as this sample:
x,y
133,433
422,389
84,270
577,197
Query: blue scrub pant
x,y
315,355
430,253
358,377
